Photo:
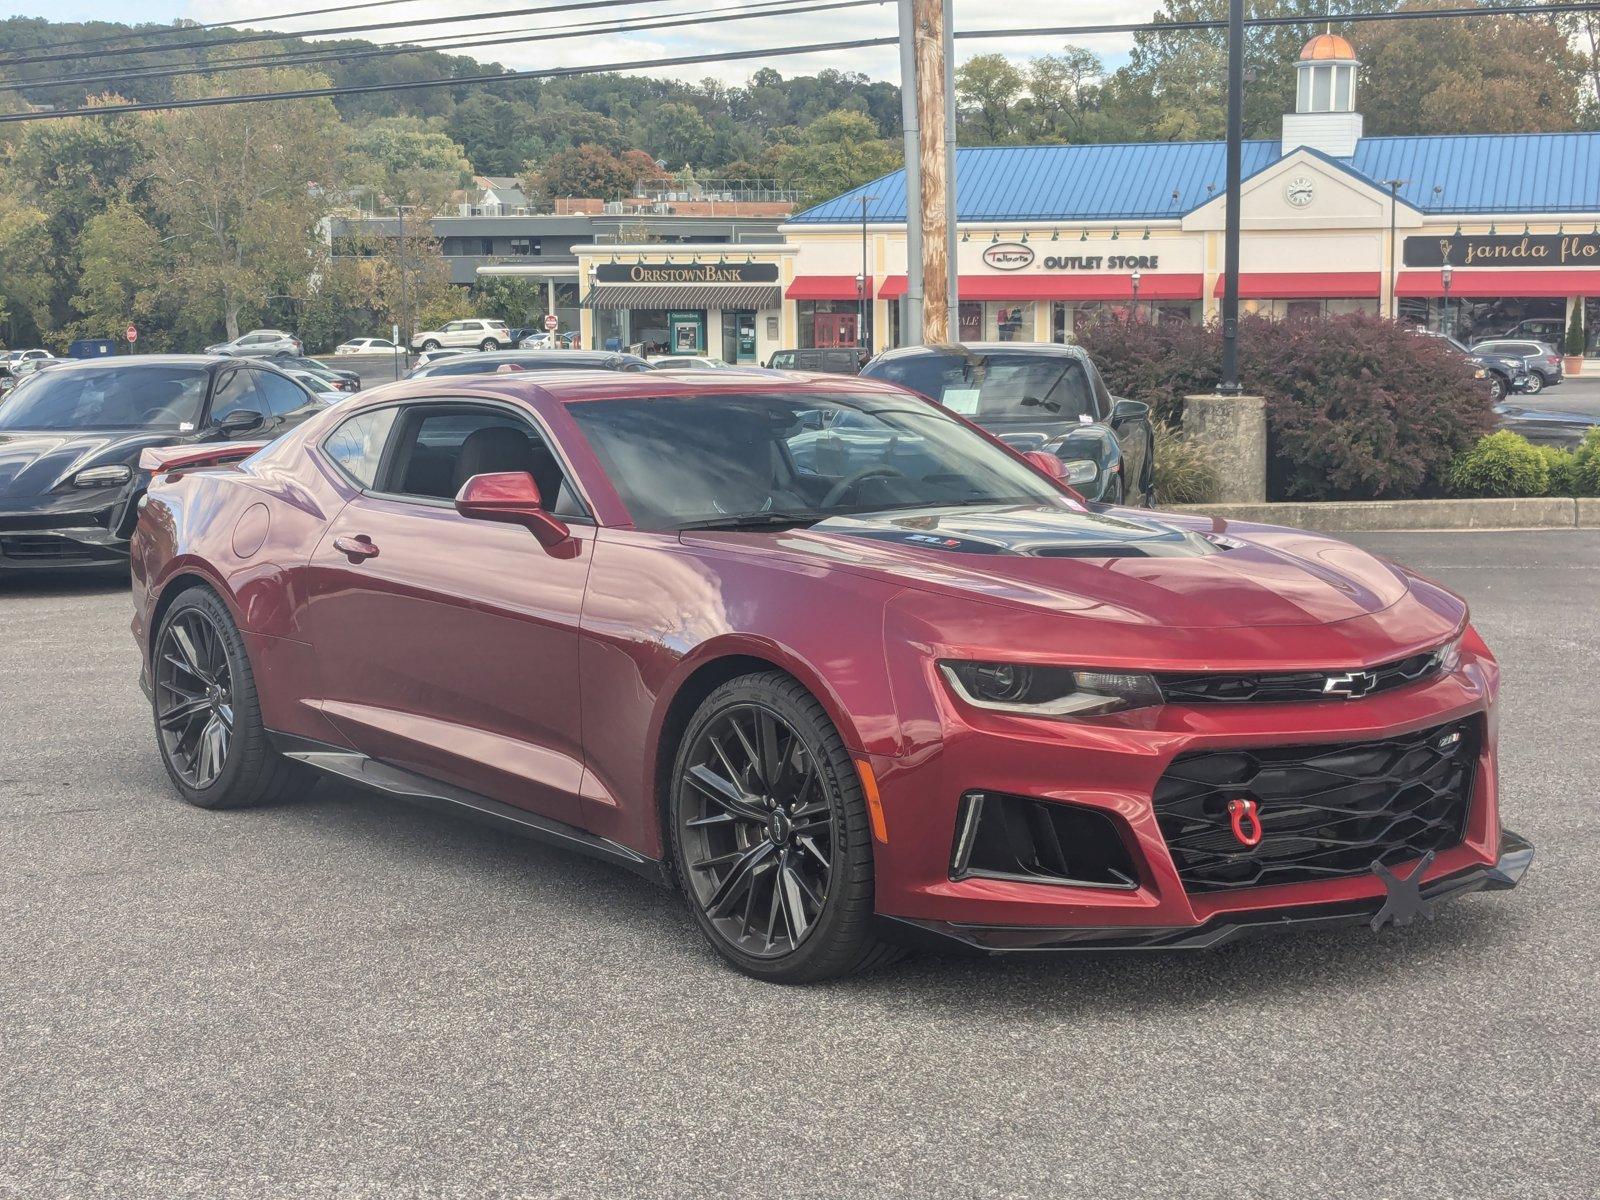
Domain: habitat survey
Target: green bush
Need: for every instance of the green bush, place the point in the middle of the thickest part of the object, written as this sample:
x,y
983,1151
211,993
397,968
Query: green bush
x,y
1184,473
1574,346
1586,465
1501,464
1358,407
1563,467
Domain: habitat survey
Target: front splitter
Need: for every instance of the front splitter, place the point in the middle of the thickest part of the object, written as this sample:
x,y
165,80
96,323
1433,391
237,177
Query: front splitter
x,y
1516,854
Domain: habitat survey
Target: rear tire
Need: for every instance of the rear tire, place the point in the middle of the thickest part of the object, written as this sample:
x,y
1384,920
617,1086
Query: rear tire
x,y
1535,384
208,714
770,838
488,344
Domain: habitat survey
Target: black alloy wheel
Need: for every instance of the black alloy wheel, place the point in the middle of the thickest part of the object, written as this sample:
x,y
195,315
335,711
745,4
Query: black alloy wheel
x,y
194,698
770,834
207,712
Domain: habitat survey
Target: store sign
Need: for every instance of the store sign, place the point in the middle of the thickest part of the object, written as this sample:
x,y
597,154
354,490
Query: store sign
x,y
1504,250
1008,256
686,273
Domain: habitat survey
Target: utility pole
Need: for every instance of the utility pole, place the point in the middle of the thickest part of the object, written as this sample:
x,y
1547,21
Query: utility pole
x,y
911,332
952,214
1230,235
405,303
864,284
931,64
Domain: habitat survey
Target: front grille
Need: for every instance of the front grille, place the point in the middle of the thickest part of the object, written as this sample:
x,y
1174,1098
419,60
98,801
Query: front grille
x,y
1221,687
24,546
1325,811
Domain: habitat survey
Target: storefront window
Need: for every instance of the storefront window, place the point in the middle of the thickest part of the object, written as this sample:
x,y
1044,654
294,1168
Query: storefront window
x,y
610,329
1474,318
825,323
997,320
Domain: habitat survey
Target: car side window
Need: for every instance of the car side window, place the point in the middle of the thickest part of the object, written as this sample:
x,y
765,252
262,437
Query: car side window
x,y
282,396
357,444
236,392
439,448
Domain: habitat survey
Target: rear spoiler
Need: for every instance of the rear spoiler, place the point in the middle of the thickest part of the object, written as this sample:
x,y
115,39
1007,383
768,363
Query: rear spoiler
x,y
160,459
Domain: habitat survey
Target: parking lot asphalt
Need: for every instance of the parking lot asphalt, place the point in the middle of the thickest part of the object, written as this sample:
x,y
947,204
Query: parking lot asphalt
x,y
347,996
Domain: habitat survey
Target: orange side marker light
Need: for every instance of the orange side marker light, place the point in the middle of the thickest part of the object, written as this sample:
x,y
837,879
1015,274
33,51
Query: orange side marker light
x,y
869,785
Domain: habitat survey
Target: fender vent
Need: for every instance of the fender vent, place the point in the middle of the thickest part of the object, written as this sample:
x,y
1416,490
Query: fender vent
x,y
1038,841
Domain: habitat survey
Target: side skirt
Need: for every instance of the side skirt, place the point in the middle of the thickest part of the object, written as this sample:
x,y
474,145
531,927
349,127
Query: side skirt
x,y
431,793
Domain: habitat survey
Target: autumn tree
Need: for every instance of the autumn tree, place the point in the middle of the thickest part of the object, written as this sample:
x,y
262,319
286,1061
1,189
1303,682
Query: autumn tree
x,y
239,191
586,170
1501,74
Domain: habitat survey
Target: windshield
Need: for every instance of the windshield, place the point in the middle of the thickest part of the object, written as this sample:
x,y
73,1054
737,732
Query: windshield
x,y
999,389
142,397
793,458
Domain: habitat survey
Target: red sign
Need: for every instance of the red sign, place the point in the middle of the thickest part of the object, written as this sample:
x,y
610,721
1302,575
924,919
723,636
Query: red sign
x,y
131,334
552,322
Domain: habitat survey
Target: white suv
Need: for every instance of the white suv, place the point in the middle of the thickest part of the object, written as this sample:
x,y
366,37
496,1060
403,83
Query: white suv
x,y
485,335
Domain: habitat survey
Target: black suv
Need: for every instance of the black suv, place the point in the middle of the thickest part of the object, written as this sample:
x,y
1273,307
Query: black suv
x,y
1038,396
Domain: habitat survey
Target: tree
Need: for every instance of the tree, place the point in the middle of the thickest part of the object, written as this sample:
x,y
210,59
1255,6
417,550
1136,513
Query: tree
x,y
834,154
675,133
988,91
124,266
1455,75
409,162
239,191
587,170
25,281
1064,94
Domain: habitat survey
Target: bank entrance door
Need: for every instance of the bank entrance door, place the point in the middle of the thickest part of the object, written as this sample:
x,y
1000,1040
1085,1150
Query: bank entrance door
x,y
738,336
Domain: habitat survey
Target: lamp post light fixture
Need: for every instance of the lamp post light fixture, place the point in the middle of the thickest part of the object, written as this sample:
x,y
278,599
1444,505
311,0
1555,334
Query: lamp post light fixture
x,y
862,277
1134,280
1444,319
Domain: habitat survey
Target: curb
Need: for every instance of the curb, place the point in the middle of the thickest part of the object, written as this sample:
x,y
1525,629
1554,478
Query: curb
x,y
1400,516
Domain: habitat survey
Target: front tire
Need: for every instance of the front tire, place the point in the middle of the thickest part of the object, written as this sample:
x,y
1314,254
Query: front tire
x,y
430,344
207,712
771,840
1497,388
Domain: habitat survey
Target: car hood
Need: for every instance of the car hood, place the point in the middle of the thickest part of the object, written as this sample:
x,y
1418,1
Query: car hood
x,y
1120,565
34,463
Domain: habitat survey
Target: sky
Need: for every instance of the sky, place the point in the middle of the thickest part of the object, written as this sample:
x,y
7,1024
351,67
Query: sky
x,y
840,25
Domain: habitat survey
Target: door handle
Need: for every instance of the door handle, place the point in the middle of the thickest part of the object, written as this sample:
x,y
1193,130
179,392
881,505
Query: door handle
x,y
357,548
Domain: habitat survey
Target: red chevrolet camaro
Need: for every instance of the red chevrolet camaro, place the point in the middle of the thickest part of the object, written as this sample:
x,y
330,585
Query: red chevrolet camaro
x,y
843,668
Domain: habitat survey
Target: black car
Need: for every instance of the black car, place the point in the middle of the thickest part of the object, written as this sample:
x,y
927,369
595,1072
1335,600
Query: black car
x,y
491,362
70,439
1504,373
1038,396
337,378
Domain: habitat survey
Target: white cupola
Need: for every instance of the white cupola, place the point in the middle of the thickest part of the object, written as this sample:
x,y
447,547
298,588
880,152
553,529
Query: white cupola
x,y
1325,116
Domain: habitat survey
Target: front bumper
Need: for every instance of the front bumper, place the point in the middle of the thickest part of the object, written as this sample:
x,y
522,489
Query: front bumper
x,y
65,531
1516,855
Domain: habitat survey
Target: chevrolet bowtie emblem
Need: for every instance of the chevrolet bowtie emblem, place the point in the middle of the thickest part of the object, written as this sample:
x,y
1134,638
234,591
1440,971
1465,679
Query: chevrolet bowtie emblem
x,y
1352,685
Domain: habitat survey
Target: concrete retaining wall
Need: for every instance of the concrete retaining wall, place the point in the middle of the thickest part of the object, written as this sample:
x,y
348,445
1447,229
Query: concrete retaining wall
x,y
1374,516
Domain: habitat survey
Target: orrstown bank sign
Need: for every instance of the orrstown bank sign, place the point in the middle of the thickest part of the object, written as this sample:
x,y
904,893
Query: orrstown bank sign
x,y
1504,250
1015,256
686,273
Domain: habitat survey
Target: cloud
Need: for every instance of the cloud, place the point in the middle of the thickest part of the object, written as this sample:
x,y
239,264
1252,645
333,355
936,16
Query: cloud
x,y
775,30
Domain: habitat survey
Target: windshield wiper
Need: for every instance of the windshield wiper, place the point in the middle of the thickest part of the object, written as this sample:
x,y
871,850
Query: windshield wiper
x,y
755,520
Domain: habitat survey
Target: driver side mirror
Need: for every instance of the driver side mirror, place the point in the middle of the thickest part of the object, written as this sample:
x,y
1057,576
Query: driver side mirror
x,y
241,420
512,497
1124,411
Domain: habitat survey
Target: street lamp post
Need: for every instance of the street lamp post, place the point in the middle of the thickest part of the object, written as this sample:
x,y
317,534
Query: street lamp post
x,y
862,279
1229,386
1444,319
1134,280
1394,198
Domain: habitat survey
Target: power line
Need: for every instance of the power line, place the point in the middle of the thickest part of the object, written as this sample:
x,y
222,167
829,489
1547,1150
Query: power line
x,y
215,43
740,12
165,30
744,55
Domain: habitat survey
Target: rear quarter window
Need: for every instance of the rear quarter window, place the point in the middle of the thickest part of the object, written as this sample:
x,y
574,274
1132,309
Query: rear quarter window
x,y
357,444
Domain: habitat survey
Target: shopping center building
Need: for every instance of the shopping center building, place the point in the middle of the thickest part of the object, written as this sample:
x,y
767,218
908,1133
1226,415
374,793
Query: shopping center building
x,y
1480,234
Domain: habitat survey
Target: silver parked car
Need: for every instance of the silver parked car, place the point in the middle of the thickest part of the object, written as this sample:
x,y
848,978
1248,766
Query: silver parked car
x,y
260,343
1541,359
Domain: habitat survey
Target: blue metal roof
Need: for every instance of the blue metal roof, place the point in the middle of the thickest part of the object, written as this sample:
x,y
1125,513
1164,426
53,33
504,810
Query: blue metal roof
x,y
1487,173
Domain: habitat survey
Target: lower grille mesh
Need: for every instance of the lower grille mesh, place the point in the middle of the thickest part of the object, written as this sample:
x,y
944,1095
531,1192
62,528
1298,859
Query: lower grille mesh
x,y
1325,811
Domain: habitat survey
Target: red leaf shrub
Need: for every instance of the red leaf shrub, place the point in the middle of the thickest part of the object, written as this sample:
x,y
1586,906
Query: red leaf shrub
x,y
1358,407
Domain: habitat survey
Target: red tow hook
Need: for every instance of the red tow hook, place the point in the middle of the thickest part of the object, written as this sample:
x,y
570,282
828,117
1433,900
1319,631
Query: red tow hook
x,y
1246,819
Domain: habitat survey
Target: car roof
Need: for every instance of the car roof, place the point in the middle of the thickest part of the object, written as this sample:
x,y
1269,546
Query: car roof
x,y
159,360
495,357
576,387
1059,349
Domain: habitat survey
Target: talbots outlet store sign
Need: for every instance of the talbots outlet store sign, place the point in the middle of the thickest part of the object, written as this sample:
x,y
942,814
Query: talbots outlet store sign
x,y
1018,256
1505,250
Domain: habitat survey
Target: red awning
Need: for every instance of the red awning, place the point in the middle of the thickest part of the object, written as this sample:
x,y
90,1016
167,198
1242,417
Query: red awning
x,y
1553,281
1307,285
1152,286
823,287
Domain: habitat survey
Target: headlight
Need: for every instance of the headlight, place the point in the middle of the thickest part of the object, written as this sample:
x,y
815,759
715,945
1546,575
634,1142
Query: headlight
x,y
1049,691
1079,470
1448,656
102,476
1480,373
